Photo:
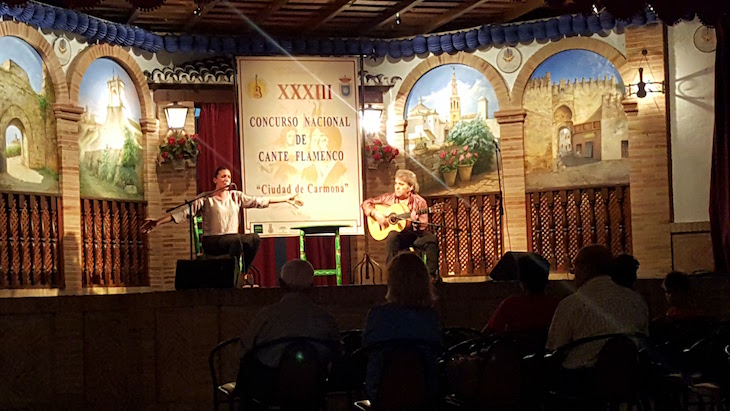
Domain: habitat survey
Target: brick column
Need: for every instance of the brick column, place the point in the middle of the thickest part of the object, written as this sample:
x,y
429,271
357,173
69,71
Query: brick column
x,y
67,135
512,144
166,187
648,157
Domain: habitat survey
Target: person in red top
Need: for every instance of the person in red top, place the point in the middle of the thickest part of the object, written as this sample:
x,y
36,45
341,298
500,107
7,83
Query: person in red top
x,y
414,235
531,311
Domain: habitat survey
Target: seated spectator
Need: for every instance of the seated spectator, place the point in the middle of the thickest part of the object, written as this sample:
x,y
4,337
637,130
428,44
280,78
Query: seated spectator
x,y
530,311
625,267
295,315
677,291
598,307
409,314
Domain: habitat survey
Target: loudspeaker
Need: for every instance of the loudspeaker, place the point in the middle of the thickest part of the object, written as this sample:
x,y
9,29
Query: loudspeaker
x,y
507,269
212,273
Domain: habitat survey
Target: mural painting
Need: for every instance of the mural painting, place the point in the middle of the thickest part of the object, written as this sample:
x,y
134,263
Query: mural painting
x,y
576,131
451,132
110,138
28,149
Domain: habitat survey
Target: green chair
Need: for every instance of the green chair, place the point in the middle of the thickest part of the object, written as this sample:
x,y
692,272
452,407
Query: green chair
x,y
326,230
198,246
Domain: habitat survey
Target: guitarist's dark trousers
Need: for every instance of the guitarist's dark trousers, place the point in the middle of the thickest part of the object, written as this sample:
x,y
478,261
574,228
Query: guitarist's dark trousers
x,y
423,241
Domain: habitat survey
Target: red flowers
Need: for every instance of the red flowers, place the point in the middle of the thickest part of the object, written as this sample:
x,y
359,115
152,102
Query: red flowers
x,y
380,151
179,145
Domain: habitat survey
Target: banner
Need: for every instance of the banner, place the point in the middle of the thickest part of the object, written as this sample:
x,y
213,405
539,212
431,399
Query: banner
x,y
300,130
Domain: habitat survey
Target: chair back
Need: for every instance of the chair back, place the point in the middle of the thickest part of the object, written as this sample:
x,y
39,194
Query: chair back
x,y
223,361
409,376
299,380
456,335
197,234
302,376
618,371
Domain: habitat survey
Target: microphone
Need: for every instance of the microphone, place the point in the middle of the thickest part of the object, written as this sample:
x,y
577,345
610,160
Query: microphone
x,y
232,186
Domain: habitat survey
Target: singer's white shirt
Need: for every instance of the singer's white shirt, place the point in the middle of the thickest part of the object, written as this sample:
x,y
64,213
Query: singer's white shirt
x,y
221,216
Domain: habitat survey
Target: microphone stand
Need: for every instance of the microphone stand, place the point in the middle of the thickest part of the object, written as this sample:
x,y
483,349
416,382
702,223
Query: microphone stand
x,y
189,204
498,156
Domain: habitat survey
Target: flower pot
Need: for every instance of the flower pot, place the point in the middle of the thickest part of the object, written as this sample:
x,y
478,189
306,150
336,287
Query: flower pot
x,y
449,177
372,164
178,164
190,162
465,172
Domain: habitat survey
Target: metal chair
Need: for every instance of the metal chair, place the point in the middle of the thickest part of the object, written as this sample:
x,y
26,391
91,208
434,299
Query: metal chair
x,y
224,362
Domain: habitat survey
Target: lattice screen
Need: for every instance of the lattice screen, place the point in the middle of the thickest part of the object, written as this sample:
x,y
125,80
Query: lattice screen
x,y
114,250
476,245
562,221
29,241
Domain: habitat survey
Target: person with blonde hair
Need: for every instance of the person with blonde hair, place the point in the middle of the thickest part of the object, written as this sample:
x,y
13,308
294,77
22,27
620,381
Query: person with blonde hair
x,y
408,314
415,234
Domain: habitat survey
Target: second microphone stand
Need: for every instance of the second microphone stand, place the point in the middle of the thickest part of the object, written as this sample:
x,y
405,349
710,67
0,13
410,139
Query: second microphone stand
x,y
191,217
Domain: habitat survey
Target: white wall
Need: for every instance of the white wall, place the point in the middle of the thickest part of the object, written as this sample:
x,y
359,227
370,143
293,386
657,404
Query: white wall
x,y
691,99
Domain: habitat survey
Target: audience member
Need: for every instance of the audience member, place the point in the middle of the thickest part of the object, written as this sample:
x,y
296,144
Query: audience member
x,y
677,291
598,307
408,314
295,315
530,311
625,267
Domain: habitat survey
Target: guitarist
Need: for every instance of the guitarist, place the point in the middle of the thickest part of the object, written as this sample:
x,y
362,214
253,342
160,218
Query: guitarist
x,y
415,234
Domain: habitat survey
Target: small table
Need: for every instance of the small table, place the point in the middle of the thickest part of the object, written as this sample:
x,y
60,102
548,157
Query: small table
x,y
314,230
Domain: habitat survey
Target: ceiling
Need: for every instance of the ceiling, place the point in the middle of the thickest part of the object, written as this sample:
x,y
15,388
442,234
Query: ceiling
x,y
318,18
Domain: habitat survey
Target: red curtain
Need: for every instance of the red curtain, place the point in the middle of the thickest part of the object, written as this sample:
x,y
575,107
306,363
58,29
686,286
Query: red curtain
x,y
219,146
720,176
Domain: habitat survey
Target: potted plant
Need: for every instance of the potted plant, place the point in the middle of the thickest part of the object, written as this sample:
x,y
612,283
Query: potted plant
x,y
449,161
467,158
179,147
379,153
476,135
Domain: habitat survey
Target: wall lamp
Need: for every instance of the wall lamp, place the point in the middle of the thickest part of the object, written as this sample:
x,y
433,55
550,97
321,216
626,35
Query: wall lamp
x,y
642,88
176,114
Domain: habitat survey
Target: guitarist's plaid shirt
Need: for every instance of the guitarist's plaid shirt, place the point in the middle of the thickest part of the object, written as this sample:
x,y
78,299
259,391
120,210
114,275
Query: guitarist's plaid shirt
x,y
415,202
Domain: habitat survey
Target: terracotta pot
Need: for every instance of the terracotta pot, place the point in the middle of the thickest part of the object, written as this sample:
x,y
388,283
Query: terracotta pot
x,y
465,172
449,177
178,164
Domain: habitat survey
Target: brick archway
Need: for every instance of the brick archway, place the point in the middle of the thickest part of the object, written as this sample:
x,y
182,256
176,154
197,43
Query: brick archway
x,y
45,50
496,80
82,62
604,49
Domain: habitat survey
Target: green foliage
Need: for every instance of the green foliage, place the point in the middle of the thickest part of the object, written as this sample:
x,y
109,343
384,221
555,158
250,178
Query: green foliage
x,y
107,166
43,102
128,176
178,145
130,151
476,135
12,150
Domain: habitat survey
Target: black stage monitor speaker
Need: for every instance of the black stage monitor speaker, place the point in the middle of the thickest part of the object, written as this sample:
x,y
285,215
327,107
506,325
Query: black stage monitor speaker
x,y
213,273
507,268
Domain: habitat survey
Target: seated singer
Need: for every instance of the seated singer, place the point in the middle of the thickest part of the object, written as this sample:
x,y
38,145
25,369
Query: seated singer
x,y
221,213
415,234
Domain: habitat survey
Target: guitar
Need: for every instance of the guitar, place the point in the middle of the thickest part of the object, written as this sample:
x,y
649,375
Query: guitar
x,y
397,216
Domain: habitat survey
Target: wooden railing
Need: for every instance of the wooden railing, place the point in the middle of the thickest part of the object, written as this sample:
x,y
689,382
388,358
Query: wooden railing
x,y
562,221
478,246
29,241
114,249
